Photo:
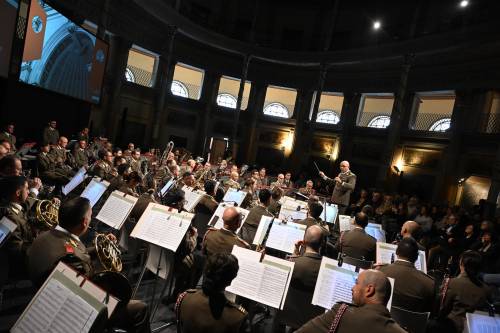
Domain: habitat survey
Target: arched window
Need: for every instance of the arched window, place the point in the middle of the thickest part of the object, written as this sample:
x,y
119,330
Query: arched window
x,y
328,117
442,125
276,110
129,75
179,89
380,122
226,100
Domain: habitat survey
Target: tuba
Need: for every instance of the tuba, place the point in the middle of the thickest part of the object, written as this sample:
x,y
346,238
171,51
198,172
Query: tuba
x,y
47,212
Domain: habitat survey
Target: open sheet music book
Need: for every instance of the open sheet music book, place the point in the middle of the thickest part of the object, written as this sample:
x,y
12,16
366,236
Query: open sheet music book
x,y
265,281
292,209
66,302
192,198
7,227
116,209
234,195
161,226
329,215
481,322
386,254
375,230
282,236
94,190
345,223
216,219
77,179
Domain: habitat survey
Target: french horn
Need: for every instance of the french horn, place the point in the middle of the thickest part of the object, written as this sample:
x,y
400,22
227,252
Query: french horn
x,y
47,212
108,253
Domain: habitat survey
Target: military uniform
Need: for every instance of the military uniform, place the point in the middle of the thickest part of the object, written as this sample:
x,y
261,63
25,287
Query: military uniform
x,y
52,246
341,194
9,138
307,192
59,157
221,241
374,318
309,221
413,289
116,183
47,170
249,228
460,295
231,184
274,208
20,240
194,314
203,212
80,158
103,170
358,244
50,135
298,308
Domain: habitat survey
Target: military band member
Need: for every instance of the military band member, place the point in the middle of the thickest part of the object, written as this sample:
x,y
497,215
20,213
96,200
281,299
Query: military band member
x,y
275,206
370,295
58,155
232,182
50,133
356,243
103,167
83,135
344,184
308,190
205,208
14,193
47,167
80,158
251,199
288,180
187,179
313,215
413,289
280,182
249,229
11,166
135,162
63,244
298,308
8,135
222,240
132,180
264,181
207,310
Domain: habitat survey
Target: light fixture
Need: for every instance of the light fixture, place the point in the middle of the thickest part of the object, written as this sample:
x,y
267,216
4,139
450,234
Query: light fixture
x,y
395,167
464,3
376,25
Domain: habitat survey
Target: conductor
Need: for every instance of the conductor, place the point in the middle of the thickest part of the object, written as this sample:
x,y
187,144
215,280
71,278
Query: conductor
x,y
344,184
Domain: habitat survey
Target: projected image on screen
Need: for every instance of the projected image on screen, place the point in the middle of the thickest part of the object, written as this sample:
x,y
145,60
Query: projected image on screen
x,y
61,56
8,13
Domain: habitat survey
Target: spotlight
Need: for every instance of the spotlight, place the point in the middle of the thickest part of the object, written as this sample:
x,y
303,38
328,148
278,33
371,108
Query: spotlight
x,y
376,25
464,3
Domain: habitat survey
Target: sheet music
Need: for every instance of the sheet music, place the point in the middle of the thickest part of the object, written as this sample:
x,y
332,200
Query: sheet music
x,y
329,214
481,322
265,282
292,209
167,186
191,198
283,236
216,219
94,190
115,210
234,195
166,262
75,181
334,284
345,223
6,228
59,306
387,253
264,223
162,227
375,230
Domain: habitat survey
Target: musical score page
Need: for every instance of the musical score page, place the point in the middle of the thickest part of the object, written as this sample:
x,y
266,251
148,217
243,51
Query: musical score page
x,y
216,219
6,228
386,254
115,210
234,195
345,223
162,227
77,179
191,198
334,284
283,236
481,322
94,190
329,215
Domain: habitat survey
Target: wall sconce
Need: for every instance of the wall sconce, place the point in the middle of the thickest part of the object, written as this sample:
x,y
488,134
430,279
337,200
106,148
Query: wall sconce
x,y
462,181
287,144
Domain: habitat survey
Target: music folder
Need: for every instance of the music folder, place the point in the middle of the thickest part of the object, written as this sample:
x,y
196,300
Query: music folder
x,y
265,280
282,236
345,223
162,226
191,198
330,212
216,219
234,195
94,190
77,179
66,302
7,227
386,254
115,210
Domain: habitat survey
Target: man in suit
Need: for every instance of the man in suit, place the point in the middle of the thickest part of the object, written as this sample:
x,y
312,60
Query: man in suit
x,y
356,242
249,228
50,133
63,244
370,295
298,308
413,289
344,184
8,135
223,240
14,193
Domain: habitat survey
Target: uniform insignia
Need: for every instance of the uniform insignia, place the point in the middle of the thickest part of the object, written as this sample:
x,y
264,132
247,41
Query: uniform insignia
x,y
69,248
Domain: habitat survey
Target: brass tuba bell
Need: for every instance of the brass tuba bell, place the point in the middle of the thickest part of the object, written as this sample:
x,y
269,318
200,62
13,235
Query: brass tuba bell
x,y
47,212
108,252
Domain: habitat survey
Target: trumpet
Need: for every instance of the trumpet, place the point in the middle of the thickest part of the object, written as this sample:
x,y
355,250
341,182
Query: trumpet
x,y
108,253
47,212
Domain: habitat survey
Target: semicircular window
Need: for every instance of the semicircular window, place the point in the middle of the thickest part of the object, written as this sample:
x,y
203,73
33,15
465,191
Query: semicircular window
x,y
328,117
276,110
380,122
226,100
442,125
179,89
129,75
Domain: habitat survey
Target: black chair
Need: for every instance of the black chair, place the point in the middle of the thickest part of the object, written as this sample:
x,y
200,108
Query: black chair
x,y
358,263
413,322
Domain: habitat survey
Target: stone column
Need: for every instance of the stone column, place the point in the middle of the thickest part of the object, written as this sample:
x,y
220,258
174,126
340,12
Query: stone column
x,y
207,100
234,135
255,106
347,122
303,133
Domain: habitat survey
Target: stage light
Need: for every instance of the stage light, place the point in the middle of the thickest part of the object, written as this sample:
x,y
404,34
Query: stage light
x,y
376,25
464,3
